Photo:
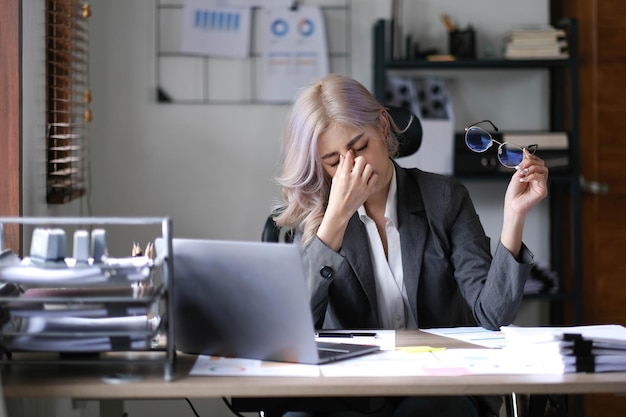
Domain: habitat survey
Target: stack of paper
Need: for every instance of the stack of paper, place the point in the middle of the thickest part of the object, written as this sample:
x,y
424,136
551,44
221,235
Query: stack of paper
x,y
541,42
569,349
83,302
66,306
77,334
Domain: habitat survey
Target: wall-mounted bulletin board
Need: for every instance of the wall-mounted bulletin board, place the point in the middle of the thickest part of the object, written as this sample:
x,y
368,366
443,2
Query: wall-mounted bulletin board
x,y
195,79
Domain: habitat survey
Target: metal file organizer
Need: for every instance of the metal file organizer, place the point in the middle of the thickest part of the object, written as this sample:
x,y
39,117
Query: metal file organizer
x,y
110,313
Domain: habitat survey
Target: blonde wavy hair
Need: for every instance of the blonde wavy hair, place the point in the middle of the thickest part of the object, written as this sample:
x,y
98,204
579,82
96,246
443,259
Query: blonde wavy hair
x,y
305,186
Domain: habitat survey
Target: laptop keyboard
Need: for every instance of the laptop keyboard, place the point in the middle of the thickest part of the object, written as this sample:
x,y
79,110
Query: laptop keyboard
x,y
329,350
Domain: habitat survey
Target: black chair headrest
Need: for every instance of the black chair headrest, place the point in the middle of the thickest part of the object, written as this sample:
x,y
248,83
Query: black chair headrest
x,y
411,140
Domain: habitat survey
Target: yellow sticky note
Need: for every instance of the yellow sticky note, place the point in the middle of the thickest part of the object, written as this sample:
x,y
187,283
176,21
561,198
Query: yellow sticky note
x,y
417,349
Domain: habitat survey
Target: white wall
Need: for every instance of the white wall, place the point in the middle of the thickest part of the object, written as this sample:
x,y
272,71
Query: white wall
x,y
211,167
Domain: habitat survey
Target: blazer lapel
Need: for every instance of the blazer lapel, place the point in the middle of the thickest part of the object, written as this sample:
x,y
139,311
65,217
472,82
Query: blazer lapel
x,y
356,250
413,229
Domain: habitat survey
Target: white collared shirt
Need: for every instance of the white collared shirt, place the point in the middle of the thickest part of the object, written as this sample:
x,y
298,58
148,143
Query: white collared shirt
x,y
393,305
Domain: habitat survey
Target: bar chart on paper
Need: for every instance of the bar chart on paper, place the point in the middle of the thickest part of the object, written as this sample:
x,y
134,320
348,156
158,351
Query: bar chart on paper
x,y
215,31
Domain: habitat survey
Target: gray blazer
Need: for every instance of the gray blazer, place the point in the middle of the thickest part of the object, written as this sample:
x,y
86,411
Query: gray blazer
x,y
449,274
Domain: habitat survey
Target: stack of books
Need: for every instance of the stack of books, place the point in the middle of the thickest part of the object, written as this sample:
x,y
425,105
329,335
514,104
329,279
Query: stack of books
x,y
540,42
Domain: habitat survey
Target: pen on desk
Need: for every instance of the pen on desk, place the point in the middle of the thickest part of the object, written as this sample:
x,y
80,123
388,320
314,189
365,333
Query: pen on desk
x,y
345,334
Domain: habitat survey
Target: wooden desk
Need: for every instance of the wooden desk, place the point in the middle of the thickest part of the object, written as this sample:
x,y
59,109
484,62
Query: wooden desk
x,y
54,381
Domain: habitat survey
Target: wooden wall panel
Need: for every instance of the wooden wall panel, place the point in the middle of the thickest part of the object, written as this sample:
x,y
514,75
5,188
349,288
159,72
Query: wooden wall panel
x,y
10,120
610,12
602,26
610,278
607,52
612,147
611,81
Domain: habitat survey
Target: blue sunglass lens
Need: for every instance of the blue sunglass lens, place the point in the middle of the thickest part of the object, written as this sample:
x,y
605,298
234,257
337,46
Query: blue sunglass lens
x,y
510,155
477,139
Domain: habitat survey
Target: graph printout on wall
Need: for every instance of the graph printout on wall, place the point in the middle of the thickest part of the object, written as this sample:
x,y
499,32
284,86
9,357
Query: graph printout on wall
x,y
211,29
293,50
214,70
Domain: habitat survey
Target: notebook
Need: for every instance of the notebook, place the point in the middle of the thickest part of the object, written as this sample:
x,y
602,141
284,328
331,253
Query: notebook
x,y
247,300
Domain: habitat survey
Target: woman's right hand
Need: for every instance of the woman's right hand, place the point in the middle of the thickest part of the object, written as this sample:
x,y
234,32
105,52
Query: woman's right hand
x,y
353,182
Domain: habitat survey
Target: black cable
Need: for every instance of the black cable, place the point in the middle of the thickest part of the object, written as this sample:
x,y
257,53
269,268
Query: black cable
x,y
230,407
192,407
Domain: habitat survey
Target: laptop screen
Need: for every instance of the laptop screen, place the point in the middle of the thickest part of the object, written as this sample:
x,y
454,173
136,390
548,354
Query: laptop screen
x,y
241,299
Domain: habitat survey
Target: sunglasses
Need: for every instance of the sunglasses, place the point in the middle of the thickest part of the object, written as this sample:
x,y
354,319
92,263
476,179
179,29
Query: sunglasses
x,y
509,154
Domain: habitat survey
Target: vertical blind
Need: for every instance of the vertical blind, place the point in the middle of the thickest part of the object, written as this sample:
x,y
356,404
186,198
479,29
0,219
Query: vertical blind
x,y
68,99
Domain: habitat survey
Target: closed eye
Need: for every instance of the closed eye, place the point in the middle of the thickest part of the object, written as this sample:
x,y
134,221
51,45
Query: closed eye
x,y
356,151
350,145
362,148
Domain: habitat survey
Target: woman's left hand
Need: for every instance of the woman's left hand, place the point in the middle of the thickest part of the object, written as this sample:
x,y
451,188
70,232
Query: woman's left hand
x,y
528,186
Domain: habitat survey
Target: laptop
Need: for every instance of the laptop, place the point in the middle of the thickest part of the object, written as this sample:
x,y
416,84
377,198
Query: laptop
x,y
247,300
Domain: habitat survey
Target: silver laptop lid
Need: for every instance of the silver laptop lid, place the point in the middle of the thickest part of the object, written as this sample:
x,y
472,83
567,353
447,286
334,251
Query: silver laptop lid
x,y
242,299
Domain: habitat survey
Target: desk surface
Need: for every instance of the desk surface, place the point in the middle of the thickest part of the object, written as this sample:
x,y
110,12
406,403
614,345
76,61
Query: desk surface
x,y
56,381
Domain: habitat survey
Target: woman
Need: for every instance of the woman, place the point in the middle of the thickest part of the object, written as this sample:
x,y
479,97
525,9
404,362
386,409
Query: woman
x,y
389,247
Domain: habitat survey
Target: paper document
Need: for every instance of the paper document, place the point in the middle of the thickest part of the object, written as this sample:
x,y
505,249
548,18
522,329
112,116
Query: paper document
x,y
600,348
293,51
89,344
475,335
209,27
77,334
83,302
609,333
383,363
494,361
220,366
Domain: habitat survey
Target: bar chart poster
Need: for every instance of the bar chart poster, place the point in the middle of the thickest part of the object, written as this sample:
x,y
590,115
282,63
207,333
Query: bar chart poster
x,y
210,29
294,51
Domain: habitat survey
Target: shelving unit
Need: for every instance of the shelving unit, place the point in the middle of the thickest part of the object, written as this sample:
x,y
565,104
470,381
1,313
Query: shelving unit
x,y
102,311
565,187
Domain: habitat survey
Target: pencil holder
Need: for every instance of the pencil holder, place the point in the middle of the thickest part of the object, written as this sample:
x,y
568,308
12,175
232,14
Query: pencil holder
x,y
462,44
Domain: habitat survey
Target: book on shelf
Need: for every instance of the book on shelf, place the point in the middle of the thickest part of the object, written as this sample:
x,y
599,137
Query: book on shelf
x,y
551,47
556,51
540,32
535,55
536,42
